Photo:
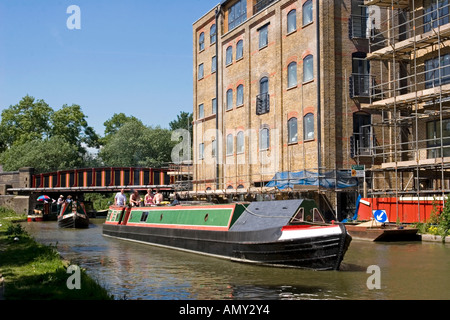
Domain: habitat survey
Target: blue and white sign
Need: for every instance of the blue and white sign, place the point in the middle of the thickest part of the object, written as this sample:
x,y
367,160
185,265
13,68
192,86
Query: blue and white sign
x,y
380,216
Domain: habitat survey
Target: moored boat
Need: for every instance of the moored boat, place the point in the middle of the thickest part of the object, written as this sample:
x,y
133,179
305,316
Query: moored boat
x,y
73,215
288,233
376,231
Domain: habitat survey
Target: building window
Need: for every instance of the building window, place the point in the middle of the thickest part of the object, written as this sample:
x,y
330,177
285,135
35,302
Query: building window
x,y
292,74
264,139
201,151
263,99
214,106
308,127
213,148
436,13
292,130
360,143
201,41
240,95
229,56
307,12
201,112
434,138
240,142
437,71
200,71
263,36
229,99
239,49
229,144
291,21
213,64
237,14
213,34
308,68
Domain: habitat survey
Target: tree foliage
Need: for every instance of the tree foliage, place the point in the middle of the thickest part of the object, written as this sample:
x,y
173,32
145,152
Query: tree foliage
x,y
135,144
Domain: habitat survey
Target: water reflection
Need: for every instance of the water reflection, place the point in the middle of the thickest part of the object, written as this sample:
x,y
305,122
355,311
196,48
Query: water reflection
x,y
129,270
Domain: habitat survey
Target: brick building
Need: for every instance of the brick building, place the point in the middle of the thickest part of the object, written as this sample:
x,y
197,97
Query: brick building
x,y
288,86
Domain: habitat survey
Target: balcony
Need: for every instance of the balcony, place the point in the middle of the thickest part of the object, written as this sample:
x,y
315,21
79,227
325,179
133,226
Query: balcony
x,y
358,27
261,5
262,103
360,85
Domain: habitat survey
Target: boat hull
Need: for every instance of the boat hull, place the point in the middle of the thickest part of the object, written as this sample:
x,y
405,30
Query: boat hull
x,y
73,220
385,234
274,247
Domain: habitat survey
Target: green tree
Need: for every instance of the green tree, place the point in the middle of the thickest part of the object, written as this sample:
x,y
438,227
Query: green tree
x,y
26,121
112,125
70,123
43,155
135,144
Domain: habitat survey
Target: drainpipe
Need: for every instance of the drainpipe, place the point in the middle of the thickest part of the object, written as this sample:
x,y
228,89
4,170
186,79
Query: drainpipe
x,y
218,9
319,125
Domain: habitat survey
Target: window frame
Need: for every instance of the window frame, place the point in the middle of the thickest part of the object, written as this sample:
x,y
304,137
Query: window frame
x,y
240,142
307,127
201,71
240,50
263,36
292,77
291,20
240,95
201,42
306,65
291,133
230,145
229,99
307,12
201,111
213,34
229,56
264,141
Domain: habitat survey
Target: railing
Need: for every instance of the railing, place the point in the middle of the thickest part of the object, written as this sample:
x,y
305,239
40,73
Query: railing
x,y
261,4
262,103
358,27
360,85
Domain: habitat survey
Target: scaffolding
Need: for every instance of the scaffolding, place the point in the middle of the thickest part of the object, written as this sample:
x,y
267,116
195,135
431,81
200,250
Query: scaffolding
x,y
410,63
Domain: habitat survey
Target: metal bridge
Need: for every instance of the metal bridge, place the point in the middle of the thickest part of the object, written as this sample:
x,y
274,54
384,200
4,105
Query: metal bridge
x,y
97,180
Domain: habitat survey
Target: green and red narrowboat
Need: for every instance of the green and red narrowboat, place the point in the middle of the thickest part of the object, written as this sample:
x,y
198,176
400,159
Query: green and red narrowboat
x,y
287,233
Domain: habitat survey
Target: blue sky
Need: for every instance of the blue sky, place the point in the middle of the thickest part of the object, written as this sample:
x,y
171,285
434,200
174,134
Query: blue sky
x,y
131,56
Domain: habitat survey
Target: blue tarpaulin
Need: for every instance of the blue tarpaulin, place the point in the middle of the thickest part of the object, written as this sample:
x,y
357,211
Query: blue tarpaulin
x,y
331,180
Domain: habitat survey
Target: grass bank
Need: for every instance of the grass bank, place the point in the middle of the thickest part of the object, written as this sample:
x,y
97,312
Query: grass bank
x,y
35,271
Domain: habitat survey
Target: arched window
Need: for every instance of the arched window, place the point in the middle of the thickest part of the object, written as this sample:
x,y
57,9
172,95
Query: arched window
x,y
264,139
263,99
240,95
307,12
308,127
292,130
229,99
213,34
229,144
229,55
239,49
292,74
308,68
201,41
291,21
240,142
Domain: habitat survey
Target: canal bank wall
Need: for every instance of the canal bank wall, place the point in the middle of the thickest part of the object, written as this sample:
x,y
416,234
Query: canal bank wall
x,y
434,238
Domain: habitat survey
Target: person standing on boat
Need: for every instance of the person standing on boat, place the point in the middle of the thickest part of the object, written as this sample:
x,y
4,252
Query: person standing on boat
x,y
59,203
148,198
158,198
120,199
135,199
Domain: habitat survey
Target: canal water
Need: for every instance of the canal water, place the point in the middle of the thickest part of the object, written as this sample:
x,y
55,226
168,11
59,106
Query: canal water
x,y
406,270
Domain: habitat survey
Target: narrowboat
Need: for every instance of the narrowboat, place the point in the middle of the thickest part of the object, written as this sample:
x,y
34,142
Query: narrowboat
x,y
285,233
43,212
73,215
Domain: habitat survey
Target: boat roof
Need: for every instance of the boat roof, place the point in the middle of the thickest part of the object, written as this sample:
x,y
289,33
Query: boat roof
x,y
267,214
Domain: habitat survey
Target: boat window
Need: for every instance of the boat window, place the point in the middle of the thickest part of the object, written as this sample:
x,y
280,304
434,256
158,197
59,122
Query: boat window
x,y
298,217
206,217
144,216
317,216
